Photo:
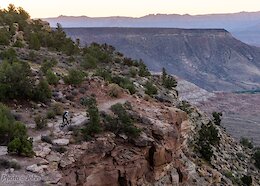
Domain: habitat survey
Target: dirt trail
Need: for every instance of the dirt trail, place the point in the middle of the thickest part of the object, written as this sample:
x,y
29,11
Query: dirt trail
x,y
106,105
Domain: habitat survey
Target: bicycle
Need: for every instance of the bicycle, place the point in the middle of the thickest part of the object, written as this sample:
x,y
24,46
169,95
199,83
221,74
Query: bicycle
x,y
63,124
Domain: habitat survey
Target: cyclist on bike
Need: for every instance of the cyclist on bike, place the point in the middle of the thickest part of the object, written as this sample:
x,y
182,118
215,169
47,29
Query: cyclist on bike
x,y
65,118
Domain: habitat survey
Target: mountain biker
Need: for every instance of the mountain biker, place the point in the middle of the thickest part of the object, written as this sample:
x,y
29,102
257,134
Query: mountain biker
x,y
65,118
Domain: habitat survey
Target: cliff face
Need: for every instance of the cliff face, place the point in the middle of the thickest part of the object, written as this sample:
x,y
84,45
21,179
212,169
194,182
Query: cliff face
x,y
210,58
156,157
162,155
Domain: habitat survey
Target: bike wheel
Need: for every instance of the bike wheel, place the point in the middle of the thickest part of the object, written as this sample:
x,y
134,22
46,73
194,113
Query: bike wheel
x,y
61,126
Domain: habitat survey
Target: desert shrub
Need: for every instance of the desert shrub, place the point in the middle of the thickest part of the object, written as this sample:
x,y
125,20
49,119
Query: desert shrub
x,y
93,126
9,127
48,65
247,180
128,61
21,146
50,114
42,91
34,42
168,81
185,106
122,123
124,83
143,70
150,88
7,164
208,136
246,143
46,139
75,77
205,150
40,121
99,52
51,77
32,55
57,108
114,90
133,72
105,74
89,62
19,84
4,37
217,117
9,55
256,157
18,44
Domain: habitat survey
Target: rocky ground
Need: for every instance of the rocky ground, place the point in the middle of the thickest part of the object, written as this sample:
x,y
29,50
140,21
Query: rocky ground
x,y
160,156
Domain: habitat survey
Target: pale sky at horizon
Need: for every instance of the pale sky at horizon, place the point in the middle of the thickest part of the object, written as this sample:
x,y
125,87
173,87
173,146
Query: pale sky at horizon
x,y
133,8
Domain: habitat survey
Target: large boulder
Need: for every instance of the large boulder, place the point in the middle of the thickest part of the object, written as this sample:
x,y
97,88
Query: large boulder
x,y
37,169
61,142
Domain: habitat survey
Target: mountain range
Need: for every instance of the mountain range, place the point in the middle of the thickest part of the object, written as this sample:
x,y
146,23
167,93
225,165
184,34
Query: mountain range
x,y
243,25
210,58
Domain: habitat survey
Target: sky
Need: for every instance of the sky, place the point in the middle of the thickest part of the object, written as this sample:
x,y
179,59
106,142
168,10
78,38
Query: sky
x,y
133,8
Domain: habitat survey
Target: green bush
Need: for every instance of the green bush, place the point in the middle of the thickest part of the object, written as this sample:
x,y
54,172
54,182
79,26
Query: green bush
x,y
133,72
50,114
105,74
21,146
51,77
247,180
256,157
42,91
93,126
34,42
75,77
124,83
48,65
114,90
19,84
122,123
150,89
208,136
40,121
9,55
57,108
205,150
143,70
246,143
168,81
98,52
217,117
9,127
4,37
18,44
185,106
89,62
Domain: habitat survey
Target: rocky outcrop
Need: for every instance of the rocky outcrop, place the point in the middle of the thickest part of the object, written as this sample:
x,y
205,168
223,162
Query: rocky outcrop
x,y
153,158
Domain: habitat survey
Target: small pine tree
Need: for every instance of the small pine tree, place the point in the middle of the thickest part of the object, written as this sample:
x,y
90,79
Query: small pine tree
x,y
217,117
34,42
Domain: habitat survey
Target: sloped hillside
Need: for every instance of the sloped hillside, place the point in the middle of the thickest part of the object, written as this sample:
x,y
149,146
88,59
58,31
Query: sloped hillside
x,y
126,126
209,58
